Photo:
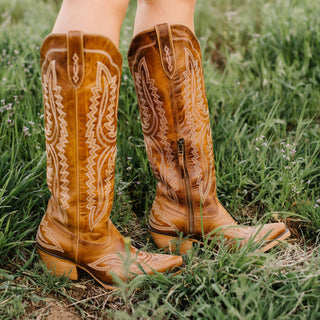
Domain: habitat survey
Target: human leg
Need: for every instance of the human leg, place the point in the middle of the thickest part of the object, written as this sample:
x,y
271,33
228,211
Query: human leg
x,y
152,12
103,17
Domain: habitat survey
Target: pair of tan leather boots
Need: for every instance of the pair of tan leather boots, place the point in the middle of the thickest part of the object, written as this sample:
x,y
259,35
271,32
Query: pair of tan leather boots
x,y
81,79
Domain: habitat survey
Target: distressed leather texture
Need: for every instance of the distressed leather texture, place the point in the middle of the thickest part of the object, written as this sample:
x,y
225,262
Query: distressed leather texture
x,y
166,65
81,80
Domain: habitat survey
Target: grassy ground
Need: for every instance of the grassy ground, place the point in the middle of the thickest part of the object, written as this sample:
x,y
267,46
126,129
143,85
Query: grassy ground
x,y
262,67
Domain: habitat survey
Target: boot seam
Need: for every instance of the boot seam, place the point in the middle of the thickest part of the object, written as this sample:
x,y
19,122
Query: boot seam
x,y
78,177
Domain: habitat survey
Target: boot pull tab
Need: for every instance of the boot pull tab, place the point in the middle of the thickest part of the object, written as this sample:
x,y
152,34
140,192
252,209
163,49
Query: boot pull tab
x,y
168,59
75,58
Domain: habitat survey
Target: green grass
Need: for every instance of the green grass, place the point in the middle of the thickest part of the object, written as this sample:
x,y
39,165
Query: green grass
x,y
262,66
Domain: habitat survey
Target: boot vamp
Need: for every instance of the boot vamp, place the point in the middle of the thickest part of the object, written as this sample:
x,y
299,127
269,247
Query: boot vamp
x,y
260,233
109,259
107,262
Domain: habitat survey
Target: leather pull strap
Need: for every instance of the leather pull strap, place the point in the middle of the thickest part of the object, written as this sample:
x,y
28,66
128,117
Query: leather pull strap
x,y
166,49
75,58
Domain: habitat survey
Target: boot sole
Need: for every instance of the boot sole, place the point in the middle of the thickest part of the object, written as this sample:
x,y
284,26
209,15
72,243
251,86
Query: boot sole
x,y
174,244
284,235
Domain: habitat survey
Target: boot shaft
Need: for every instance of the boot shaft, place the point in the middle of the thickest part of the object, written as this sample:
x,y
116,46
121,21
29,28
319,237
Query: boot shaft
x,y
81,80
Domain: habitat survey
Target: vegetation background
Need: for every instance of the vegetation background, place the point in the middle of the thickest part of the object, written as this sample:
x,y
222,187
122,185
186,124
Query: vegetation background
x,y
262,73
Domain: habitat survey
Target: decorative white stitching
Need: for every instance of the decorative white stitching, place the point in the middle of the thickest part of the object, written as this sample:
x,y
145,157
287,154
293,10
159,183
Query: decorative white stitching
x,y
155,133
157,215
75,59
56,140
113,261
101,134
43,239
168,58
106,263
198,124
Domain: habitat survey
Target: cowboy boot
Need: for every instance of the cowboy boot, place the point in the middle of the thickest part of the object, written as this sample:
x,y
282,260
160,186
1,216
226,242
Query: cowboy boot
x,y
167,69
81,80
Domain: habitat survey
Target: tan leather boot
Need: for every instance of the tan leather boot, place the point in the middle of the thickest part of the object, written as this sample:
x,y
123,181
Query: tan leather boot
x,y
81,79
167,69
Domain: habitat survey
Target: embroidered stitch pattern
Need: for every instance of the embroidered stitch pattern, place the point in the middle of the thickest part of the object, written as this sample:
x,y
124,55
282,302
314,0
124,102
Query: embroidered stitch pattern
x,y
168,58
197,116
111,262
101,137
155,127
75,59
157,216
43,240
106,263
56,137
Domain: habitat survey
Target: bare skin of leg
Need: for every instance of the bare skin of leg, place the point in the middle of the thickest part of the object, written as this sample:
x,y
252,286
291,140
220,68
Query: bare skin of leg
x,y
152,12
103,17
